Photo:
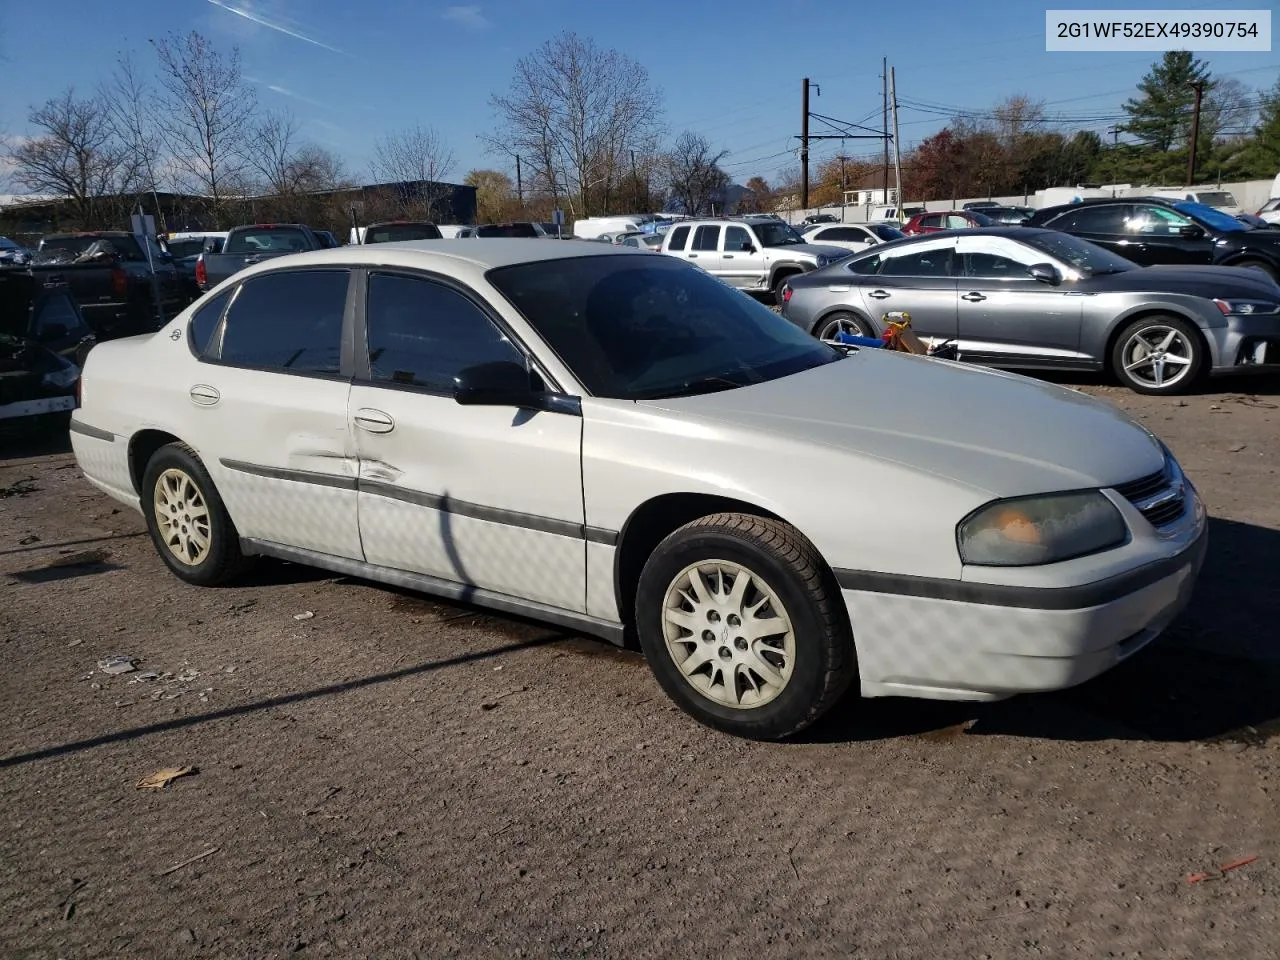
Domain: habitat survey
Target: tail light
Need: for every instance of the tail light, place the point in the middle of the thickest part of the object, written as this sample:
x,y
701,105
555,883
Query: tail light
x,y
786,294
202,275
119,282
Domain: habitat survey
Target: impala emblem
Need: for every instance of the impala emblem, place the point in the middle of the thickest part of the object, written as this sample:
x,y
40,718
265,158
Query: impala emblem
x,y
176,335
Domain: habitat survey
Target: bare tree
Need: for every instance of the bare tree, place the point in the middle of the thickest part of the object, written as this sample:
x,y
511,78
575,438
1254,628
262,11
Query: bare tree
x,y
75,154
314,169
415,160
206,115
574,112
129,100
273,151
1230,109
692,172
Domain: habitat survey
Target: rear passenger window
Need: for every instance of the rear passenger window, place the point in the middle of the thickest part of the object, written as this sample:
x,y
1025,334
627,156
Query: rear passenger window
x,y
423,334
679,237
290,322
928,263
706,238
205,322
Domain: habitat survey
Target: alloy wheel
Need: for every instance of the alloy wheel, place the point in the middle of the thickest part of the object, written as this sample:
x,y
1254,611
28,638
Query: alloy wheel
x,y
182,516
1158,356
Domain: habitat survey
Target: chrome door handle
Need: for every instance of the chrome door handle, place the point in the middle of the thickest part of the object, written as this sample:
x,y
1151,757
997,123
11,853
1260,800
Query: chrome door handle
x,y
693,256
728,256
374,421
204,395
878,295
973,297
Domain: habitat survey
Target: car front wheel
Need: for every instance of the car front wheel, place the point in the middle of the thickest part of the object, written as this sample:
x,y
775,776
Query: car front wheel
x,y
743,626
1158,355
187,521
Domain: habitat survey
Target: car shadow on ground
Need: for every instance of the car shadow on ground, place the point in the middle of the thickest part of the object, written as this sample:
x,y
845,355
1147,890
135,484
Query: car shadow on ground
x,y
22,443
1214,675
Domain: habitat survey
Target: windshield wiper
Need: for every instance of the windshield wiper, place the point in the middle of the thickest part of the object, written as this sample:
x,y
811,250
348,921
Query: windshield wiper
x,y
692,387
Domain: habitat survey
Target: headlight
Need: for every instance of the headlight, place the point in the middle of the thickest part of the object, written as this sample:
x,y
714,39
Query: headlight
x,y
1026,531
1247,308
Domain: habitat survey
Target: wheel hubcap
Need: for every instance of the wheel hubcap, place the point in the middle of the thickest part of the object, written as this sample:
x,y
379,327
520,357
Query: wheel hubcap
x,y
182,516
1158,356
729,634
833,328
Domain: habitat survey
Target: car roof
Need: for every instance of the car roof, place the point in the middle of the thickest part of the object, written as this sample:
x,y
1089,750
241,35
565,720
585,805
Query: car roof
x,y
484,253
1012,232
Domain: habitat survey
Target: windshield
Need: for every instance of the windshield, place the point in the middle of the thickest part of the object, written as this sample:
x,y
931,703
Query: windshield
x,y
776,234
394,232
1089,258
267,240
886,232
1211,217
507,230
637,328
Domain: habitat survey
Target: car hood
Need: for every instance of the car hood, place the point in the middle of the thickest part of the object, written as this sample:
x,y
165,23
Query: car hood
x,y
1211,282
810,249
997,433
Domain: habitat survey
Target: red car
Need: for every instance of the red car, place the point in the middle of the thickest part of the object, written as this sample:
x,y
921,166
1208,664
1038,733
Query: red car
x,y
946,220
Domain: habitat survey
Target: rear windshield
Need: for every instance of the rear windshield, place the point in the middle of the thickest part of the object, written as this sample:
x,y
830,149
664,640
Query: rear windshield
x,y
267,240
395,232
186,248
1220,199
507,230
68,248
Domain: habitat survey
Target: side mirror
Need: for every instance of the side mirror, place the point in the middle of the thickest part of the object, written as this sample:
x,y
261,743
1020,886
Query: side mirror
x,y
1192,231
1045,273
500,384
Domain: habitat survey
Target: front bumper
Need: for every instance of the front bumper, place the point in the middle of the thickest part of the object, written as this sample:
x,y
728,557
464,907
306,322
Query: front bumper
x,y
1245,343
1008,641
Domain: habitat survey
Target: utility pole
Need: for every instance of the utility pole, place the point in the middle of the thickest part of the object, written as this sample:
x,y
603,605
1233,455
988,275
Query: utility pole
x,y
804,147
1198,87
519,181
897,152
884,85
1115,157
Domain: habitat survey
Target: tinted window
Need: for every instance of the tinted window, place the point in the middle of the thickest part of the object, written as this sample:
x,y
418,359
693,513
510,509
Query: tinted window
x,y
1105,220
865,266
886,232
423,333
842,234
67,248
507,230
394,232
267,240
288,321
929,263
706,238
679,236
642,327
736,240
205,321
934,220
990,266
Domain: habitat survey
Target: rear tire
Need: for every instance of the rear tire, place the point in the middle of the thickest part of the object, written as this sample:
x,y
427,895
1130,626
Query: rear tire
x,y
1158,355
828,326
188,523
761,657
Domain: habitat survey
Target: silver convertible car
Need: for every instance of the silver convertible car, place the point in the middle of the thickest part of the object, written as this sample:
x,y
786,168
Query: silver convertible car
x,y
621,444
1027,298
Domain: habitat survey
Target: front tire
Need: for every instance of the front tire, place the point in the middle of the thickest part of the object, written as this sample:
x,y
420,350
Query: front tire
x,y
1158,355
188,523
841,322
743,627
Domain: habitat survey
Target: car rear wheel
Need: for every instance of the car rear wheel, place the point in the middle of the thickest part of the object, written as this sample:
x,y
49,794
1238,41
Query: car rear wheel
x,y
1260,267
829,326
743,627
1158,355
187,521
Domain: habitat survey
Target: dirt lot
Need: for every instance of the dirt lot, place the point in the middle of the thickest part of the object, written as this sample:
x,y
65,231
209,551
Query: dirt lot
x,y
395,777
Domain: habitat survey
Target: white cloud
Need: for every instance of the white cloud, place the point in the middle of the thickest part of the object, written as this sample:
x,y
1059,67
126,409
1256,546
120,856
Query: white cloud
x,y
468,15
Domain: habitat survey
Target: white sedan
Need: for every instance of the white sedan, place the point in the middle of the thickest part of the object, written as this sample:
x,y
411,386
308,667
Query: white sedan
x,y
852,236
621,444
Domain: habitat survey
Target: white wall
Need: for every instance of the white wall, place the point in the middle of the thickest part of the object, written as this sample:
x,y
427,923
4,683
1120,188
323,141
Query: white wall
x,y
1250,195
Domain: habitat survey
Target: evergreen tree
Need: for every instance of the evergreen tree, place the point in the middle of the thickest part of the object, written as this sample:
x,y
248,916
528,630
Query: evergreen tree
x,y
1161,117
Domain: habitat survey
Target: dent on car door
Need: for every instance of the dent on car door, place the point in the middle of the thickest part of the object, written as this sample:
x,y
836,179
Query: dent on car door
x,y
487,496
1005,314
268,409
918,279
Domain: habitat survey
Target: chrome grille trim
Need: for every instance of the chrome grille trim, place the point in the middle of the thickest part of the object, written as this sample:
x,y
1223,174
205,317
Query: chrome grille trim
x,y
1160,497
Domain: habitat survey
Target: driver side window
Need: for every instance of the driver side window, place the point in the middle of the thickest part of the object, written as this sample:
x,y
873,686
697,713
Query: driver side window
x,y
736,240
1156,221
424,334
927,263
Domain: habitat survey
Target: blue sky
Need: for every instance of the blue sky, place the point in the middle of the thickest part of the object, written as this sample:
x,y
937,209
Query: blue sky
x,y
352,71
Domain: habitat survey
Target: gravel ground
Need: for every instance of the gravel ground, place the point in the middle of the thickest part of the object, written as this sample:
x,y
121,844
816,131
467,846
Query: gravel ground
x,y
381,775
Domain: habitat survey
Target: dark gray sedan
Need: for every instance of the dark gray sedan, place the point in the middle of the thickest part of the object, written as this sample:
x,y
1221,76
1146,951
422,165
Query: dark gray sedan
x,y
1022,297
